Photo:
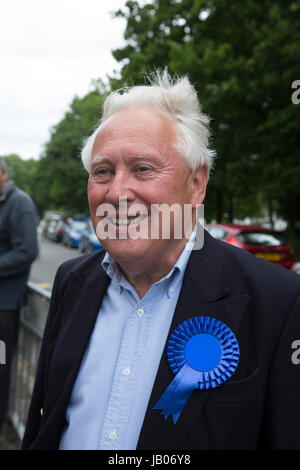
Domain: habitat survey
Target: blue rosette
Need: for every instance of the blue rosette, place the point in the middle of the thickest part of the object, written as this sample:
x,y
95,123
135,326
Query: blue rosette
x,y
203,353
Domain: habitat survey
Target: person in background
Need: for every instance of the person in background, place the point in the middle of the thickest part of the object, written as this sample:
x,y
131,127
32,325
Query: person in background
x,y
18,248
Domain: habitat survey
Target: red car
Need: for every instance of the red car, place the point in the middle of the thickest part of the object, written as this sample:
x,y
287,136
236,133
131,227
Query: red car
x,y
260,241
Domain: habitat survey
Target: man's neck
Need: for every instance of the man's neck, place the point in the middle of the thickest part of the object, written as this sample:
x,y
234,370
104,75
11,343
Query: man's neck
x,y
142,278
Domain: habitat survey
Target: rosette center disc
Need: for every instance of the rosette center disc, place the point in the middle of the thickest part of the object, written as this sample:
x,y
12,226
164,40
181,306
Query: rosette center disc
x,y
203,352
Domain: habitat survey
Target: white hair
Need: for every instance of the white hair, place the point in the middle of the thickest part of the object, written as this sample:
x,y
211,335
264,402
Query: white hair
x,y
176,98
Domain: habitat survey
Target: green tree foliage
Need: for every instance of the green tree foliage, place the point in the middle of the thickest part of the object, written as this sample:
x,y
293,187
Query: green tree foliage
x,y
22,172
60,178
242,58
17,170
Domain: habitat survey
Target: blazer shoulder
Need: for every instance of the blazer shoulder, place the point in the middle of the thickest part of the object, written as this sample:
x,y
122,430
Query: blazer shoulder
x,y
80,264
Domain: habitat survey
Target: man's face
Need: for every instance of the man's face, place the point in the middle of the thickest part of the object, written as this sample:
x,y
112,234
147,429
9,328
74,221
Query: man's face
x,y
134,157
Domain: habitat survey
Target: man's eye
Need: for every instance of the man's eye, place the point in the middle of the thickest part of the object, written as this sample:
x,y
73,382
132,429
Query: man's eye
x,y
101,171
142,168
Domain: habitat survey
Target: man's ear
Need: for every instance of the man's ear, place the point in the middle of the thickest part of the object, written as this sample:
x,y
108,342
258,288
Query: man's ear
x,y
200,180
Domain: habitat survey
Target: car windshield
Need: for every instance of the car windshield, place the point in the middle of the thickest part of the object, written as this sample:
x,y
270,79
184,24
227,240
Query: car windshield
x,y
262,238
217,232
78,225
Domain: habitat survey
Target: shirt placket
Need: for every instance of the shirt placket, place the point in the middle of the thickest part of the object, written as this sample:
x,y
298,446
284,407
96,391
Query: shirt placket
x,y
126,373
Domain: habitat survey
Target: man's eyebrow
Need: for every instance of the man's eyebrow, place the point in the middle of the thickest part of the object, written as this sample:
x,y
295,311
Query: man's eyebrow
x,y
135,157
99,159
144,156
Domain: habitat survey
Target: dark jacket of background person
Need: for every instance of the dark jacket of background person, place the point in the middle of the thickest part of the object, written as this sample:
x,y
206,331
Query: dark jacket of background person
x,y
258,407
18,245
18,248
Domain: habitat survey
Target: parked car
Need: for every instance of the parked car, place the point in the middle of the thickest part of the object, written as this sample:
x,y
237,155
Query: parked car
x,y
56,230
41,230
89,241
73,233
260,241
50,219
296,268
51,229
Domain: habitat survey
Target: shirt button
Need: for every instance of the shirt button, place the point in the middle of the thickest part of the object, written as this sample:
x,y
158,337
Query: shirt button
x,y
112,435
126,371
140,312
170,291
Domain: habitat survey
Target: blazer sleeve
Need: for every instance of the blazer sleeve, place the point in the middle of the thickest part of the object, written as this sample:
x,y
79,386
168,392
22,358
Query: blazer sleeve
x,y
37,399
280,428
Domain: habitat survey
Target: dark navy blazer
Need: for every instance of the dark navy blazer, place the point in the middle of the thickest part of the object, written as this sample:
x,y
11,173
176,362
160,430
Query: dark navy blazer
x,y
258,407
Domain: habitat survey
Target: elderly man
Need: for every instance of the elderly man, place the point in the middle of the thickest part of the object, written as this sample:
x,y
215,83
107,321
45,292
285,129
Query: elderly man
x,y
18,248
151,344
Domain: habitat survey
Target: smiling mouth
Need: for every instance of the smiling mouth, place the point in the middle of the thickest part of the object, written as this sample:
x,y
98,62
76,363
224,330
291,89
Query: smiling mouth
x,y
126,221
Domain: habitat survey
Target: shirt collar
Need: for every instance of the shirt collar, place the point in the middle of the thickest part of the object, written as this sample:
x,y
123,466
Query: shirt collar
x,y
112,270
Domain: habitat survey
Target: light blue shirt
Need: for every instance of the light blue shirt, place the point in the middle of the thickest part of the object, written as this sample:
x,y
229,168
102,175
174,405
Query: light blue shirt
x,y
111,393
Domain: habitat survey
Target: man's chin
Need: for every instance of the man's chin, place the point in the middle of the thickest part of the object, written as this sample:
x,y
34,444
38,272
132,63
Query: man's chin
x,y
127,249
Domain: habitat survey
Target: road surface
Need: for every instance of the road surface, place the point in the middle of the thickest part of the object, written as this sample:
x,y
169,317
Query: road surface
x,y
52,255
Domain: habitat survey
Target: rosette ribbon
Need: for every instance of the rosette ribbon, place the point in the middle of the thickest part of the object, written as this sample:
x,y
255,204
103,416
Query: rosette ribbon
x,y
203,353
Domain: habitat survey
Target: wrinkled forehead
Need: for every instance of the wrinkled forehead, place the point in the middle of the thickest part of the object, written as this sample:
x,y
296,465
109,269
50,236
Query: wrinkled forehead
x,y
137,124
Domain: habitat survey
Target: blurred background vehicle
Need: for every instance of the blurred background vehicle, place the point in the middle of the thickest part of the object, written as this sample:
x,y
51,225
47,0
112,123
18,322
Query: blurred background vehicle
x,y
50,229
41,230
260,241
73,233
56,230
296,268
50,218
89,241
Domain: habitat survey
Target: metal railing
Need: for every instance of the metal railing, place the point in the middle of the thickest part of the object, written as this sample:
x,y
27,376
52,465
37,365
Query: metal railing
x,y
32,324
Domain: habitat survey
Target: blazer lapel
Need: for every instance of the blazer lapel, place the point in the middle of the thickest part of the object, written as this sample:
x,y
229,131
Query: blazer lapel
x,y
81,303
205,291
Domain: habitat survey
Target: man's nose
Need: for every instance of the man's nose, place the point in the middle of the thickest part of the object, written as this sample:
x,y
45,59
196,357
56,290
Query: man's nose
x,y
119,187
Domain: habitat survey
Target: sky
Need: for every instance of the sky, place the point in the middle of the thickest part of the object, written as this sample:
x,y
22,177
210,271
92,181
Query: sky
x,y
50,50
